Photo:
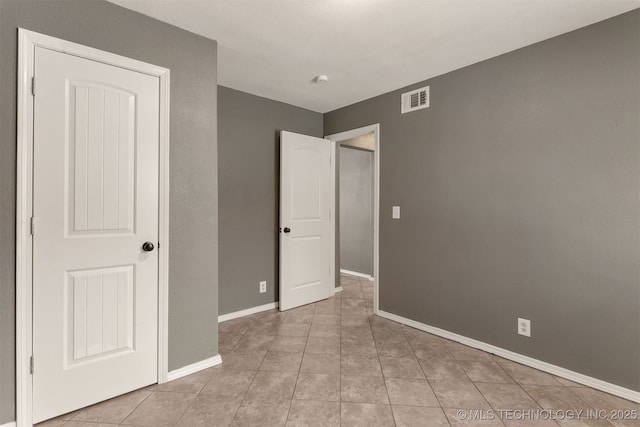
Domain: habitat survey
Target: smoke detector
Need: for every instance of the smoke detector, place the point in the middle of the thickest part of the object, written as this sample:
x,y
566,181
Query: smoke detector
x,y
322,78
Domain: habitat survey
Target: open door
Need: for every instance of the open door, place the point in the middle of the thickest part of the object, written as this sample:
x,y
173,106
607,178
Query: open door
x,y
306,234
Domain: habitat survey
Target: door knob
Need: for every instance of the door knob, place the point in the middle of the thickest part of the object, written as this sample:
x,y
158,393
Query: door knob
x,y
287,230
147,246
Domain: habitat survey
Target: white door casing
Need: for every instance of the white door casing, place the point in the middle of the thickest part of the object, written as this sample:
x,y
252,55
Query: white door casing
x,y
354,133
92,163
306,236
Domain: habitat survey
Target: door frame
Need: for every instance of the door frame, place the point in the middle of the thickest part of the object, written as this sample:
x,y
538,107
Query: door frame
x,y
27,43
341,136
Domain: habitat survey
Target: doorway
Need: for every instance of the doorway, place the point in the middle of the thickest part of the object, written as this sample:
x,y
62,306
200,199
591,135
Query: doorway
x,y
355,172
357,212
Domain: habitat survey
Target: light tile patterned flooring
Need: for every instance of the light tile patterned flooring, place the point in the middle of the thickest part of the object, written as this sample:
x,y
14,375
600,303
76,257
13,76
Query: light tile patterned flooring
x,y
334,363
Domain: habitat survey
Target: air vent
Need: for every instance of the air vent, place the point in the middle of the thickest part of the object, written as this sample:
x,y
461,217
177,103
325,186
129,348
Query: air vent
x,y
415,100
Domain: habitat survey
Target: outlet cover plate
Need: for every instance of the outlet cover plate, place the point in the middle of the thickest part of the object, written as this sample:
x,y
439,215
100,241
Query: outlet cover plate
x,y
263,286
524,327
395,212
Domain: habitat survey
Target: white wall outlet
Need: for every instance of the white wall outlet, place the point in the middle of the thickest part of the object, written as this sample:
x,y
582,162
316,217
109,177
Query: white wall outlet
x,y
395,212
524,327
263,286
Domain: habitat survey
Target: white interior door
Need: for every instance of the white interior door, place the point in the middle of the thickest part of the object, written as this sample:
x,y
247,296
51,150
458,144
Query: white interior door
x,y
306,235
95,203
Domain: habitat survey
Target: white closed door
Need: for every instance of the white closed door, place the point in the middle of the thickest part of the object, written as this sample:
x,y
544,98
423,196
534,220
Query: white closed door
x,y
95,203
306,234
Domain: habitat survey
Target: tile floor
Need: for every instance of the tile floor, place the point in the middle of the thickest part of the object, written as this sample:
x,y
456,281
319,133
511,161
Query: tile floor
x,y
334,363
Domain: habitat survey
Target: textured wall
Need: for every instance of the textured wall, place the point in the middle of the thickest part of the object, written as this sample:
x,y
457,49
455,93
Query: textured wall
x,y
194,207
520,198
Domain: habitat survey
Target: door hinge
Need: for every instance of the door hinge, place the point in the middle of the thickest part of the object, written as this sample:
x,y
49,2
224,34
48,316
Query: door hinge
x,y
33,225
33,86
31,365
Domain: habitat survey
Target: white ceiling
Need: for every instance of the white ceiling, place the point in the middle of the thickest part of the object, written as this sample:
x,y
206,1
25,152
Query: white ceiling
x,y
274,48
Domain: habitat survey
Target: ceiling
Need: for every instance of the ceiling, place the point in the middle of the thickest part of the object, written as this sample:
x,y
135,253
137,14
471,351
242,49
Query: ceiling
x,y
274,48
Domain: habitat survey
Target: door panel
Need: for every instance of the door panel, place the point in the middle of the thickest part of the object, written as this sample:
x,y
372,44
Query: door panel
x,y
95,202
306,200
100,310
101,154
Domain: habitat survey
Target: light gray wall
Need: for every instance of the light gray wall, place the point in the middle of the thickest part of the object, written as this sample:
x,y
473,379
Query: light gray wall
x,y
356,210
520,197
249,183
193,264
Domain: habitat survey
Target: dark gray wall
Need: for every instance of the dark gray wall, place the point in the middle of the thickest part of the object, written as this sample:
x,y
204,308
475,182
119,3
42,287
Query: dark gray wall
x,y
356,210
520,197
249,176
193,264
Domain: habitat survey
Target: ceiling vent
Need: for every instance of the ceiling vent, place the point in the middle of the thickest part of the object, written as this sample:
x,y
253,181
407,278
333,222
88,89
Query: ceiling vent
x,y
415,100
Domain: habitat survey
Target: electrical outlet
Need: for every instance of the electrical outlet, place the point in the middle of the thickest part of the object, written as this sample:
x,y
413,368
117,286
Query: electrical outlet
x,y
263,286
524,327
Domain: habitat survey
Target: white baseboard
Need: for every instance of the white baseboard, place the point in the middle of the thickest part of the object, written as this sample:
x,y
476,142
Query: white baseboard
x,y
193,368
248,311
616,390
11,424
338,288
355,273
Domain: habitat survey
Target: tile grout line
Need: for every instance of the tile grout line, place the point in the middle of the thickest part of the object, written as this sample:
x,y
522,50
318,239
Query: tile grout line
x,y
404,333
534,399
295,385
306,342
384,378
254,375
524,390
130,413
478,390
